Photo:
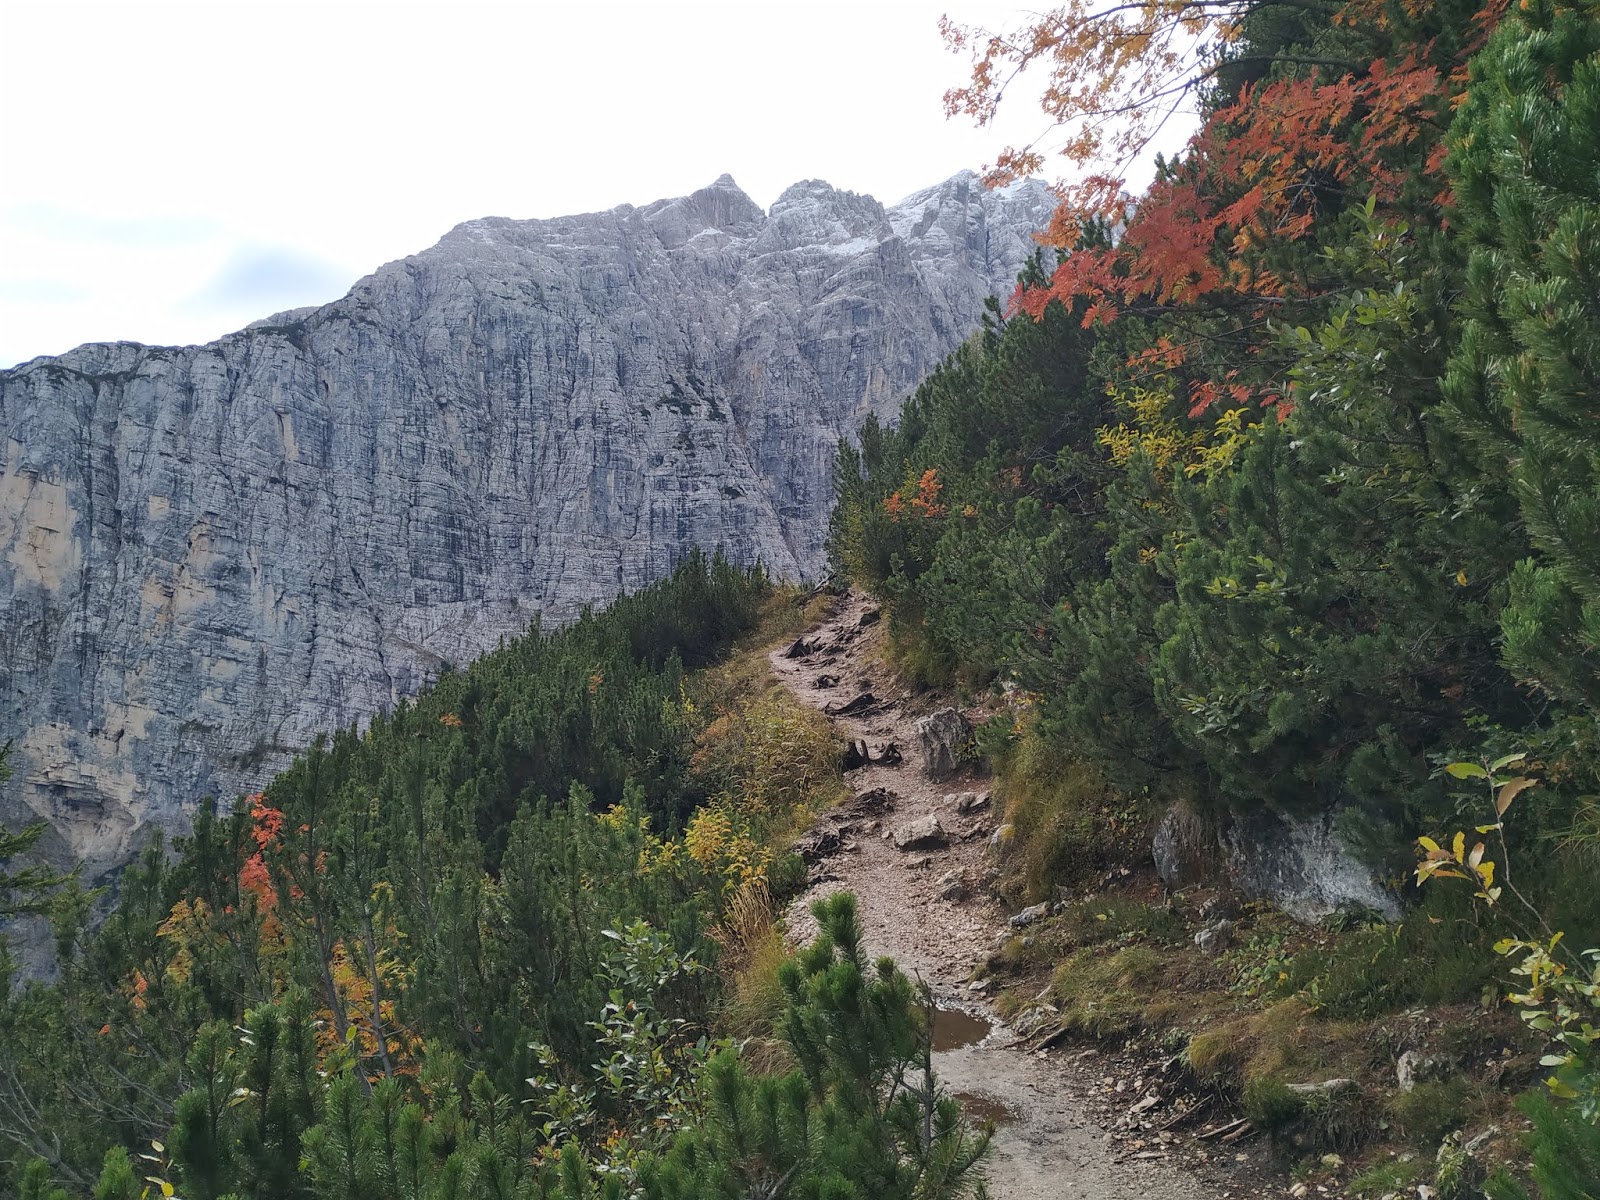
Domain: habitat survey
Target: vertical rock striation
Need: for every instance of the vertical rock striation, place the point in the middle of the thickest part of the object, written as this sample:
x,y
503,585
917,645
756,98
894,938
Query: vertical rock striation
x,y
209,553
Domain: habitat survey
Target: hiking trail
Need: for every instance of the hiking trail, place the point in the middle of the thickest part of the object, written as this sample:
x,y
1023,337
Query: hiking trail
x,y
1060,1133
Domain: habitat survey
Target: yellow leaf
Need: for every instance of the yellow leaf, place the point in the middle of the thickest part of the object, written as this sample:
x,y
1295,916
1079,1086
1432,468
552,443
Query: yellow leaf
x,y
1461,578
1428,844
1459,847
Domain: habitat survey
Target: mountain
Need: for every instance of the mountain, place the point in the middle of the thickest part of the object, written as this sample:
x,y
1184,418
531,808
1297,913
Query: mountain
x,y
209,553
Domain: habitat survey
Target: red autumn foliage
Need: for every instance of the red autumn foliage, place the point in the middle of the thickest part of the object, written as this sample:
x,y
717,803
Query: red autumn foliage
x,y
1260,172
924,503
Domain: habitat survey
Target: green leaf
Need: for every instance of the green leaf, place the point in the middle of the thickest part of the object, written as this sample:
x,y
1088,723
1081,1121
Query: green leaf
x,y
1466,770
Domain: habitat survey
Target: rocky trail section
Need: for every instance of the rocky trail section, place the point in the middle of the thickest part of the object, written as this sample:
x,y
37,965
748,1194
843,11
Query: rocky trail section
x,y
913,846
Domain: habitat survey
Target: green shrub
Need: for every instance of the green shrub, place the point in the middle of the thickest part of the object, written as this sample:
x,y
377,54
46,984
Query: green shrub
x,y
1429,1111
1564,1153
1271,1106
1396,1175
1069,823
1102,994
1113,918
1438,955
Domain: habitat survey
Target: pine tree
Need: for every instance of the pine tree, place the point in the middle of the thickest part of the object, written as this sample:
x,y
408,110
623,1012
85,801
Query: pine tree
x,y
1525,160
861,1117
1565,1155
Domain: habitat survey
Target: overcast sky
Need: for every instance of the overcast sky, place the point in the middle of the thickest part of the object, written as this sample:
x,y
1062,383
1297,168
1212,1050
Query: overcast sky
x,y
170,172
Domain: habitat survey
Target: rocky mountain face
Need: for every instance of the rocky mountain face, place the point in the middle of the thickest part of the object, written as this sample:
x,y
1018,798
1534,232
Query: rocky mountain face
x,y
209,553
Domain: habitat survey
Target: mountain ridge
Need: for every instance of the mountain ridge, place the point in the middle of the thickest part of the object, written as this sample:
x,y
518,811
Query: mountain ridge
x,y
219,550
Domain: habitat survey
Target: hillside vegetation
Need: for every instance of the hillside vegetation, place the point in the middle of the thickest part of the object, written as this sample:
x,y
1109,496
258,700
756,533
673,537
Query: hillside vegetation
x,y
1275,492
474,951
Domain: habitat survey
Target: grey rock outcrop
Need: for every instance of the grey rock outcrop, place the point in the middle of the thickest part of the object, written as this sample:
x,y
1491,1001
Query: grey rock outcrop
x,y
1299,864
210,553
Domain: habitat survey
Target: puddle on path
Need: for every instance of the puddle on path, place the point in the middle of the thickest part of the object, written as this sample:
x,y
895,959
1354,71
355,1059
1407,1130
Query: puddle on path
x,y
953,1029
980,1108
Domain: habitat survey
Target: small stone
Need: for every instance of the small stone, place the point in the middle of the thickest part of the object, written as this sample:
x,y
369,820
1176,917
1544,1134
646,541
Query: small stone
x,y
952,886
1298,1190
1327,1087
1002,837
1034,912
1412,1068
1213,939
971,802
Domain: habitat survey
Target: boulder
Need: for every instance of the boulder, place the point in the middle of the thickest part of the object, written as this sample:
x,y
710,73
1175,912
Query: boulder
x,y
924,833
941,737
1297,863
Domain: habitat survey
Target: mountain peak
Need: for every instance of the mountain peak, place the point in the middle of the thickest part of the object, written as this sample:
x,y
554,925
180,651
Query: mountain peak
x,y
530,417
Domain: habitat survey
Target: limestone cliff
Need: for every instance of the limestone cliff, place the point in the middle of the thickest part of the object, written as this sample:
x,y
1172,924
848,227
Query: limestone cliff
x,y
209,553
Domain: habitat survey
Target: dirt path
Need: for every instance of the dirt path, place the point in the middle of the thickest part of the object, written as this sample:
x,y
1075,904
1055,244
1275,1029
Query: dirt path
x,y
1047,1144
